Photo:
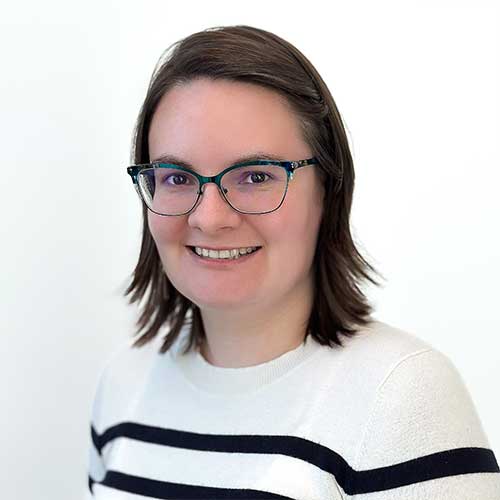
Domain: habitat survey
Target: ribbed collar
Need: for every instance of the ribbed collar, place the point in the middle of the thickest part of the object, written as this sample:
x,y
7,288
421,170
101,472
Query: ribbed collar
x,y
217,380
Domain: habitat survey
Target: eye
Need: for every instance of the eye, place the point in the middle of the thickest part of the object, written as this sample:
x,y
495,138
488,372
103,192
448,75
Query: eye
x,y
170,178
256,177
176,179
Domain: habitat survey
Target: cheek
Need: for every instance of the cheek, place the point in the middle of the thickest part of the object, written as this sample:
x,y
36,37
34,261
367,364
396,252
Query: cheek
x,y
291,236
300,227
164,230
301,216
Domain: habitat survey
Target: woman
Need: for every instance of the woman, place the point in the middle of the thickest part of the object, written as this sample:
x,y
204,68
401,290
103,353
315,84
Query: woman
x,y
272,379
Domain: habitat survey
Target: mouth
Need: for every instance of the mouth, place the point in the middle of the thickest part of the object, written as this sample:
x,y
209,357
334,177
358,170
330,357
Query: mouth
x,y
225,255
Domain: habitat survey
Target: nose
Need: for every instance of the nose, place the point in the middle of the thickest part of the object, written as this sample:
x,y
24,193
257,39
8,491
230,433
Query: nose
x,y
212,212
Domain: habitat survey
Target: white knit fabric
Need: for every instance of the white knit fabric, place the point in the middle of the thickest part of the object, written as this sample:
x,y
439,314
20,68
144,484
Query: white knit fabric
x,y
386,417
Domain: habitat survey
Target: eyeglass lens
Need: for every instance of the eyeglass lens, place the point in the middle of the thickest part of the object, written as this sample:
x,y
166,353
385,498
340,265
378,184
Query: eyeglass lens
x,y
249,189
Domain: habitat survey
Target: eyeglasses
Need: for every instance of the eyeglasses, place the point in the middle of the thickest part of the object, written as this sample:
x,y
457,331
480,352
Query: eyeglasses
x,y
251,187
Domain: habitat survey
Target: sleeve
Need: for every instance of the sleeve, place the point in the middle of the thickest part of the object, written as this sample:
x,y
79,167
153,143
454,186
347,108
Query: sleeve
x,y
423,439
96,464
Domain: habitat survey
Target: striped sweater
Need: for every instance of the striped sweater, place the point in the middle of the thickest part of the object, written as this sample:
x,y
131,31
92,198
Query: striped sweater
x,y
386,417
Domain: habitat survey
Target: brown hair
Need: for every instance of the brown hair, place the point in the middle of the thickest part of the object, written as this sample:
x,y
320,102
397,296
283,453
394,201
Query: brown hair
x,y
252,55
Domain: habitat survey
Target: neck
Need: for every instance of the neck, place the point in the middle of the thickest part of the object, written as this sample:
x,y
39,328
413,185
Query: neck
x,y
254,335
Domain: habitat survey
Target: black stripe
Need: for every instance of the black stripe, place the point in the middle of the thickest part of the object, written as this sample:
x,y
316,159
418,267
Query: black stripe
x,y
442,464
165,490
91,484
96,439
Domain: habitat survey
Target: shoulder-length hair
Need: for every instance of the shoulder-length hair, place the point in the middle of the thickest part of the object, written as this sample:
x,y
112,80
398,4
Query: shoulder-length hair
x,y
252,55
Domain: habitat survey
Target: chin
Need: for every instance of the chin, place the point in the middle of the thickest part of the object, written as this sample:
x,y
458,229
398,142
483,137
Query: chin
x,y
224,301
220,303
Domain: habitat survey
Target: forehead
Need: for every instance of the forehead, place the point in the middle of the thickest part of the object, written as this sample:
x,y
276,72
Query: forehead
x,y
222,117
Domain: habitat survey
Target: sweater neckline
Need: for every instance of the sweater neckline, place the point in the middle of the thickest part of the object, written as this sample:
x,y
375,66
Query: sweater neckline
x,y
219,380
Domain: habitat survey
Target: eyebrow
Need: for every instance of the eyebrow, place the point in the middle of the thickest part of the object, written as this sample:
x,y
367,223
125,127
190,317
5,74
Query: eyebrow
x,y
168,158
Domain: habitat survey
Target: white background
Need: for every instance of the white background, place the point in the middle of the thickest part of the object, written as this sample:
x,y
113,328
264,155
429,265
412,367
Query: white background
x,y
417,84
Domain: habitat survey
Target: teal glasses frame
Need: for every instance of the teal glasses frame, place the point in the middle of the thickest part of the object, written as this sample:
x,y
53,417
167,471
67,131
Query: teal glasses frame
x,y
289,166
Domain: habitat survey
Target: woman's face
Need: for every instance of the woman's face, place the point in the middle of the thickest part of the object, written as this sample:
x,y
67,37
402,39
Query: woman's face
x,y
209,124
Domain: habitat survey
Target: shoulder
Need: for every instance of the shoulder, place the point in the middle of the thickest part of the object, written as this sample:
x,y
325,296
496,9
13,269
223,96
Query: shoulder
x,y
391,357
395,371
121,378
419,403
419,420
376,350
387,340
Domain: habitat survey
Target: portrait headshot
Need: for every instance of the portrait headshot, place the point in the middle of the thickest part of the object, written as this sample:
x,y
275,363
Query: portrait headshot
x,y
261,258
259,369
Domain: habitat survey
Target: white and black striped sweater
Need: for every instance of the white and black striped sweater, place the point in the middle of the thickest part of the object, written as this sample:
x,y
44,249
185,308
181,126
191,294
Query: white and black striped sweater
x,y
386,417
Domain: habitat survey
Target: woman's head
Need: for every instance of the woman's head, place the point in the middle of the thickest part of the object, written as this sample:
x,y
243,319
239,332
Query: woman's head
x,y
210,124
220,94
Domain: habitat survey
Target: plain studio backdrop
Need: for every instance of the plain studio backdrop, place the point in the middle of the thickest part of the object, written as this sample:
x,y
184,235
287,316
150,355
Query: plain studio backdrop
x,y
417,85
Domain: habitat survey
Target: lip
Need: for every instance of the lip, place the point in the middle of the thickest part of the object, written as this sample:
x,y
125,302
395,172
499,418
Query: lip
x,y
223,248
220,263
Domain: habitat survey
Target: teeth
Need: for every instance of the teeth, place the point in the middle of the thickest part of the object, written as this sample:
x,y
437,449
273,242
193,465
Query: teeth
x,y
235,253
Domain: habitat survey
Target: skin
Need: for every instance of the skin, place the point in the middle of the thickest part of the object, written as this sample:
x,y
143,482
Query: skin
x,y
254,311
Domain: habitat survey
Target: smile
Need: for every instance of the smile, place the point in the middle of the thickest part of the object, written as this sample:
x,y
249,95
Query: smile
x,y
232,254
